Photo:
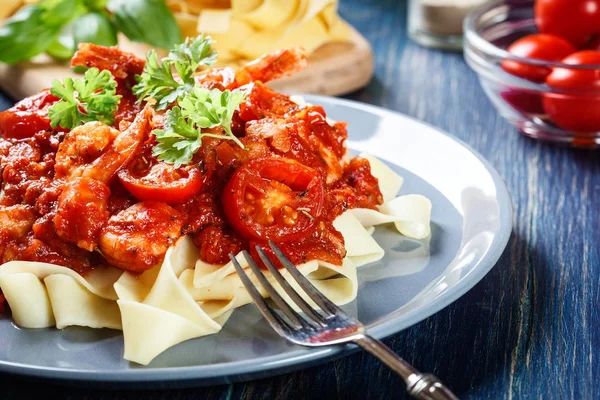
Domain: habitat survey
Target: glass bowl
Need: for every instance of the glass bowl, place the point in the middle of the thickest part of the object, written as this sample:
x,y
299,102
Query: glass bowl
x,y
530,106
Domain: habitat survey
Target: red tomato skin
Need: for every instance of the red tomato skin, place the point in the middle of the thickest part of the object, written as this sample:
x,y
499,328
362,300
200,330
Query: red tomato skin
x,y
27,117
594,44
523,102
574,20
173,194
574,113
571,78
286,171
577,112
540,47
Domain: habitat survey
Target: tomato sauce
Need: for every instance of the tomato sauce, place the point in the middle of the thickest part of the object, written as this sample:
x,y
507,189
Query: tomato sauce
x,y
76,221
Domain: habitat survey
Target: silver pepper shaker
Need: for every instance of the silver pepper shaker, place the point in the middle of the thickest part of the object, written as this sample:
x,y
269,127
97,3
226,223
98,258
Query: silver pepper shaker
x,y
438,23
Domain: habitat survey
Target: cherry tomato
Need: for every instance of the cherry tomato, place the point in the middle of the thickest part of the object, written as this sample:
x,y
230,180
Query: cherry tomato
x,y
540,47
273,198
579,112
158,181
522,101
594,44
27,117
574,20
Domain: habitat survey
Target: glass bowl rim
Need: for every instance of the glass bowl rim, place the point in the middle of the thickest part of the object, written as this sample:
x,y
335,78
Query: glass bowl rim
x,y
473,38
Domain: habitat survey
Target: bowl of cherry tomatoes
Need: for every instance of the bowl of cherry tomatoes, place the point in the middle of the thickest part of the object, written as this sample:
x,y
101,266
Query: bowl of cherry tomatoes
x,y
539,63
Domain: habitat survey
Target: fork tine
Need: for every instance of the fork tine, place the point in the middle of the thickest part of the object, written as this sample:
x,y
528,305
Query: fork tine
x,y
297,321
272,318
296,298
305,284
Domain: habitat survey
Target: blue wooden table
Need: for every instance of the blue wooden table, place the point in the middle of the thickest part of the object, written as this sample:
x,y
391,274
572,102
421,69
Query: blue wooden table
x,y
531,328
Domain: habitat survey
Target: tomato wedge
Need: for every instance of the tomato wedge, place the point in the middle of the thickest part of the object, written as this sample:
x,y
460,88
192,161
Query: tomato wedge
x,y
27,117
158,181
273,198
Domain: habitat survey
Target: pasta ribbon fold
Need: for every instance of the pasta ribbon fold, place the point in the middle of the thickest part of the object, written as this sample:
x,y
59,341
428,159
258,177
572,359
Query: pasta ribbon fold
x,y
247,29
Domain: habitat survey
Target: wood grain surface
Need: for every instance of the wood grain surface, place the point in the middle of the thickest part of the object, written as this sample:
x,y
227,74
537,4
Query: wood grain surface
x,y
531,328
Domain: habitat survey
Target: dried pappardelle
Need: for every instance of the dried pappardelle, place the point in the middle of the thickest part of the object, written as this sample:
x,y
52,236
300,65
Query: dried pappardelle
x,y
124,192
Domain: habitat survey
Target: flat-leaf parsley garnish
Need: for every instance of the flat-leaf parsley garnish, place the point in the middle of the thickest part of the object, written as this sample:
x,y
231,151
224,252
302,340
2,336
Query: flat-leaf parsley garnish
x,y
201,109
170,82
92,98
159,81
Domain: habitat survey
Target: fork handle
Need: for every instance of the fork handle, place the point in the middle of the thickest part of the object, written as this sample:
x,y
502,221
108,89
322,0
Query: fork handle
x,y
418,385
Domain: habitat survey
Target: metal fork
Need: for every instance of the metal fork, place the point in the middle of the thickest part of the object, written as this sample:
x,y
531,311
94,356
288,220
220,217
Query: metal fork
x,y
330,326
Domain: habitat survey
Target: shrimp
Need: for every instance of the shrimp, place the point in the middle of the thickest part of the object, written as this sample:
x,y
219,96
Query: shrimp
x,y
273,66
97,151
82,211
122,149
219,78
89,158
15,222
80,147
137,238
121,64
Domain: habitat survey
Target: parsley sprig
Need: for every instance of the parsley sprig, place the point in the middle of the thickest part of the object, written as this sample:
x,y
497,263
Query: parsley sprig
x,y
158,80
201,109
191,108
92,98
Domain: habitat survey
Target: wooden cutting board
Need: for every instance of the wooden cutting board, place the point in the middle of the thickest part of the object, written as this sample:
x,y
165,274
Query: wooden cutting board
x,y
335,69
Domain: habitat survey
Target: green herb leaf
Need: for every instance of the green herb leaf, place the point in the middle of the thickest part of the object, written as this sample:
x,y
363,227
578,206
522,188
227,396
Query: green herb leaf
x,y
94,27
25,35
33,29
63,47
92,98
147,21
178,142
95,5
60,12
158,81
200,109
188,56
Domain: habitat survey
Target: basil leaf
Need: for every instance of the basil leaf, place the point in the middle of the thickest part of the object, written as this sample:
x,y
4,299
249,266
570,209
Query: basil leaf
x,y
26,34
95,5
60,12
63,47
94,28
147,21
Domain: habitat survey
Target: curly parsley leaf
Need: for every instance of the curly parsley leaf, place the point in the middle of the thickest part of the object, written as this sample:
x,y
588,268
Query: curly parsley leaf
x,y
179,139
92,98
158,80
188,56
201,109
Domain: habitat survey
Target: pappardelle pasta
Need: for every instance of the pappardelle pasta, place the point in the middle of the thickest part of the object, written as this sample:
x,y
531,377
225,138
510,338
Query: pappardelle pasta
x,y
124,193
